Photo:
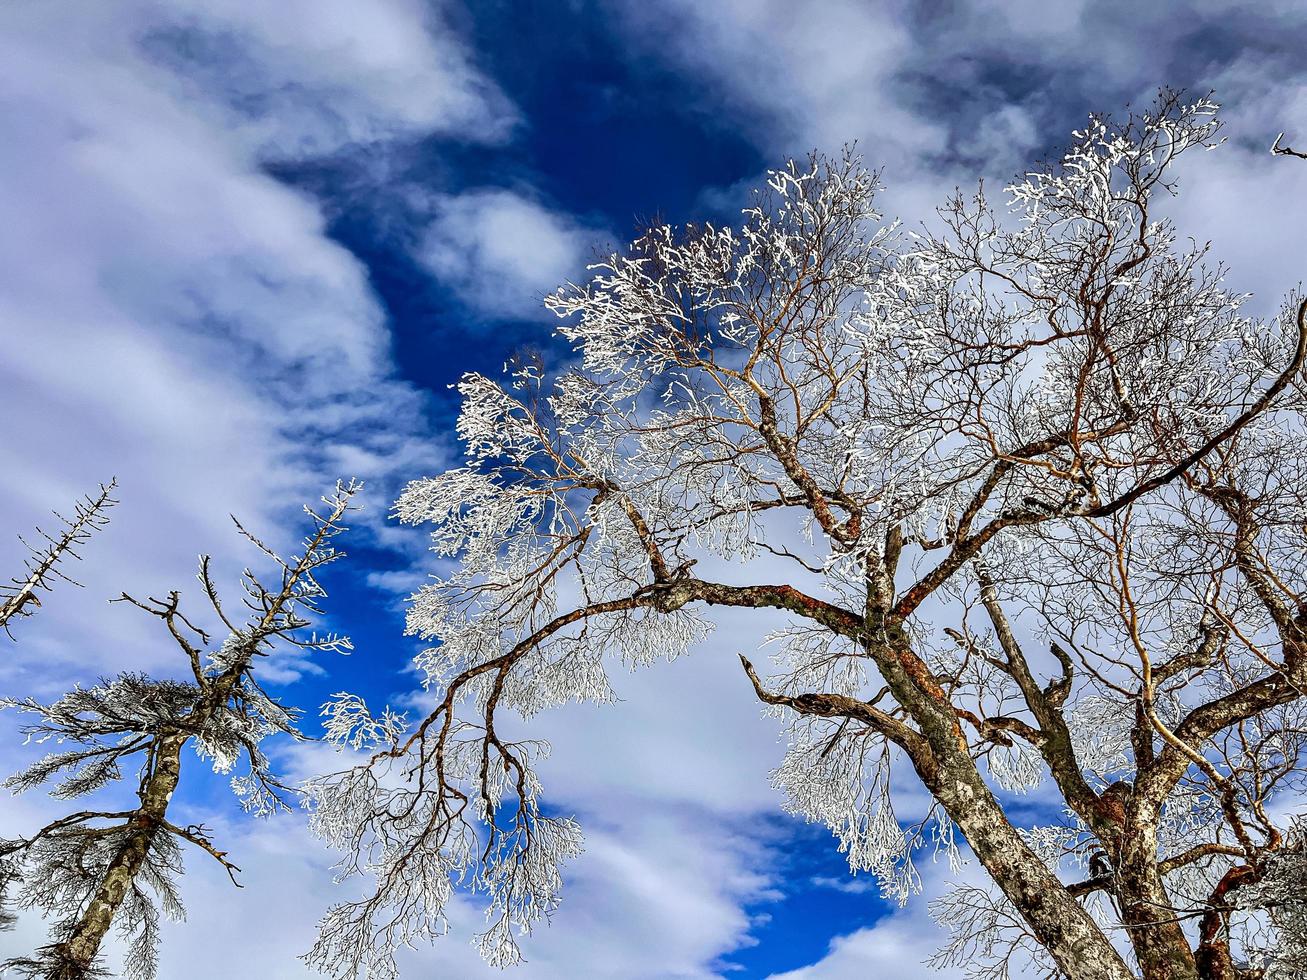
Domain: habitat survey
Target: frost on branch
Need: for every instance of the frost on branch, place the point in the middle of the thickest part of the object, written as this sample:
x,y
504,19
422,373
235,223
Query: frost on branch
x,y
347,721
97,867
988,940
1026,486
19,597
1275,933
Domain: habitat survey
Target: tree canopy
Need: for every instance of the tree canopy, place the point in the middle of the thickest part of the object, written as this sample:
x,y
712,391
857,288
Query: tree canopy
x,y
1029,489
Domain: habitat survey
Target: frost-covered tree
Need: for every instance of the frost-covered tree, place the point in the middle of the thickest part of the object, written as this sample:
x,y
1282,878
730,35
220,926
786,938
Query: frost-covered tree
x,y
95,868
20,597
1030,490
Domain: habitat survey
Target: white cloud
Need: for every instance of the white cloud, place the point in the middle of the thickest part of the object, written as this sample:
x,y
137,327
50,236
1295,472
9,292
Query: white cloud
x,y
304,77
851,885
897,945
819,73
186,322
502,251
1007,134
939,95
175,316
1235,196
712,749
659,892
654,896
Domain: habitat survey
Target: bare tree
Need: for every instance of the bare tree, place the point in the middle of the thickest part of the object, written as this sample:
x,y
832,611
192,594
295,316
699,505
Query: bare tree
x,y
1030,490
93,868
19,597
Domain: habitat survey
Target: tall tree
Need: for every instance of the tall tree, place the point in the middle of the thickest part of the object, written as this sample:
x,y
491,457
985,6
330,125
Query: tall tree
x,y
93,868
1030,490
20,597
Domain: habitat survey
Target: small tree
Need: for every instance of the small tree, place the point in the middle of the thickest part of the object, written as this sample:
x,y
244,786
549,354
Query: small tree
x,y
93,868
19,597
1032,494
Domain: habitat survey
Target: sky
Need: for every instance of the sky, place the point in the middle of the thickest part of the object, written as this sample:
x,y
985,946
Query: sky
x,y
246,247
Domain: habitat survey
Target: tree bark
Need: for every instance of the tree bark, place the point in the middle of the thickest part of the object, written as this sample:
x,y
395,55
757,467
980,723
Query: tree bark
x,y
76,954
1213,956
1147,911
1057,920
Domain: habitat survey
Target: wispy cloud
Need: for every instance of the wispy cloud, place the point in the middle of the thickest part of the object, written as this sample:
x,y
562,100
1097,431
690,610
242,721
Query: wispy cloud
x,y
178,317
175,316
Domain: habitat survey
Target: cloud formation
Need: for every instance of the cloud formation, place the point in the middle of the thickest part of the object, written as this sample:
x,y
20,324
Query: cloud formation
x,y
501,251
176,315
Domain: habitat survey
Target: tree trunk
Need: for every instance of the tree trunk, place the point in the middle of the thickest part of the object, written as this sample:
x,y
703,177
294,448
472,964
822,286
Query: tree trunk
x,y
1213,956
1159,942
1056,919
75,955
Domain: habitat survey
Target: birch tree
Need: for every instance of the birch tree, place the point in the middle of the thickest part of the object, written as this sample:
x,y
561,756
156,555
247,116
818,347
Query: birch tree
x,y
1029,488
96,868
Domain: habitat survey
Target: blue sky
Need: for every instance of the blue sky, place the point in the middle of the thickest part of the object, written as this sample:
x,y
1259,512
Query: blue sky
x,y
246,247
